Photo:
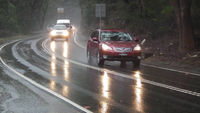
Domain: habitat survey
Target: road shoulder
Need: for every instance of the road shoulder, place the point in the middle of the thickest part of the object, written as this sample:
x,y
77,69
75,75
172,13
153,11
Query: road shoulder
x,y
18,96
186,69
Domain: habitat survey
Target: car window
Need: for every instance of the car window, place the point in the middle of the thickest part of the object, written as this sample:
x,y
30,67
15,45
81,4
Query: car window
x,y
59,27
115,36
66,24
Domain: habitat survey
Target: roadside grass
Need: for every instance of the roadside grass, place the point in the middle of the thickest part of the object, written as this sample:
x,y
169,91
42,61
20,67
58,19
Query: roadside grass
x,y
13,38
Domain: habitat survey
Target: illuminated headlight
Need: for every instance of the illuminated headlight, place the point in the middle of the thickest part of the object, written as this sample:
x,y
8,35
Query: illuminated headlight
x,y
53,33
105,47
65,33
137,48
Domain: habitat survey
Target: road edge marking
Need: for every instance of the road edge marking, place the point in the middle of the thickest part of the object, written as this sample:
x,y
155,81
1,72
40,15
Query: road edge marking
x,y
169,69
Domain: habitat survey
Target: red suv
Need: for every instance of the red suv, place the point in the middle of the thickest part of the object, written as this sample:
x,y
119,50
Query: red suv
x,y
113,45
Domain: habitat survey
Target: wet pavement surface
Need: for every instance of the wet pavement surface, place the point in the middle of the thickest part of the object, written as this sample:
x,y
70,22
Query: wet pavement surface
x,y
62,67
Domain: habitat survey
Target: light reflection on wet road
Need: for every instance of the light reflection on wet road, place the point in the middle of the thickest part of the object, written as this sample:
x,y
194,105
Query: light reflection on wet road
x,y
106,92
138,90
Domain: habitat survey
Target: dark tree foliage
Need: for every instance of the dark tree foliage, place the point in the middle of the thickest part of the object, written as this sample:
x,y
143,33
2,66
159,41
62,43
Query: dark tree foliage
x,y
8,20
27,15
156,17
126,1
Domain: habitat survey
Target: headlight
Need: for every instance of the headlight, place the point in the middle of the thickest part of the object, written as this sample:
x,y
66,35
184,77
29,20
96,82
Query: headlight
x,y
53,33
65,33
137,48
105,47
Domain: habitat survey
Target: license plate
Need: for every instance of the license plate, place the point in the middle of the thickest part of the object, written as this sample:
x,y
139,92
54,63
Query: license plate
x,y
122,54
59,33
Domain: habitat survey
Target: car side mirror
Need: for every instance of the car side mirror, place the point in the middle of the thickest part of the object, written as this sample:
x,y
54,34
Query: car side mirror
x,y
136,40
94,39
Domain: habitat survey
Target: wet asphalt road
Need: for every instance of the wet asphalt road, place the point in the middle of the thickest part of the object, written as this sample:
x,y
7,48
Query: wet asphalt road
x,y
116,88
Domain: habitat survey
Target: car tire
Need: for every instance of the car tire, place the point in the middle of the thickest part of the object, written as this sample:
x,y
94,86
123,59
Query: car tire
x,y
136,62
100,61
89,59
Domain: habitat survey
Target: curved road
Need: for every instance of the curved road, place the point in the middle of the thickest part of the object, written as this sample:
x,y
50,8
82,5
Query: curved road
x,y
61,69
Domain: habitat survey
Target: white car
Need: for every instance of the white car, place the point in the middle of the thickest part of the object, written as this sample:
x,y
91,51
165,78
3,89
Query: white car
x,y
59,31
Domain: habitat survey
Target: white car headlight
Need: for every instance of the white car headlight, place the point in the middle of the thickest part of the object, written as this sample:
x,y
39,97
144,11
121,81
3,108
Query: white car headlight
x,y
65,33
137,48
53,33
105,47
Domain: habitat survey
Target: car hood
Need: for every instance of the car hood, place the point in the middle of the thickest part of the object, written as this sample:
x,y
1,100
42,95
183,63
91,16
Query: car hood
x,y
119,43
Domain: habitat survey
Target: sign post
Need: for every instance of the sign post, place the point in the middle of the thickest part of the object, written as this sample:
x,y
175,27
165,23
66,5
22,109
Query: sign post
x,y
100,11
60,11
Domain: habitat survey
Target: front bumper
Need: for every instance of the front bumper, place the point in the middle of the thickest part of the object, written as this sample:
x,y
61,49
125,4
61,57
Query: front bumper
x,y
117,56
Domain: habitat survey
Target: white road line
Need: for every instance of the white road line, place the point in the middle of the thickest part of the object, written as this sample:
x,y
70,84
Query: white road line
x,y
124,75
171,69
42,87
77,42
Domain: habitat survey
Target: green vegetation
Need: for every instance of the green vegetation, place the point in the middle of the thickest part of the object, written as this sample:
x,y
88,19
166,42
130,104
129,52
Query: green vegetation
x,y
154,17
12,38
25,16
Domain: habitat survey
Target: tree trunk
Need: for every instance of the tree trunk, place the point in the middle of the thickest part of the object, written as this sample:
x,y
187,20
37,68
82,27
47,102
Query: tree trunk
x,y
183,16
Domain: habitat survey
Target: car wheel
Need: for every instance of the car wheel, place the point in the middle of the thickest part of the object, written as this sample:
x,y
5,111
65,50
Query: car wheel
x,y
136,62
100,61
89,59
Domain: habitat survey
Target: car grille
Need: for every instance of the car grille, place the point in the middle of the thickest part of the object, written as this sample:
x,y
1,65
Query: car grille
x,y
122,49
120,58
59,33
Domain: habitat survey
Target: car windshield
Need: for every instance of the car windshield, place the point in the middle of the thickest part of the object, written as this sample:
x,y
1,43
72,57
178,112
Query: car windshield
x,y
115,36
59,27
66,24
